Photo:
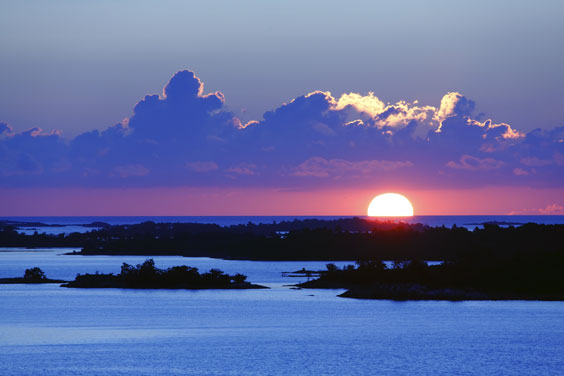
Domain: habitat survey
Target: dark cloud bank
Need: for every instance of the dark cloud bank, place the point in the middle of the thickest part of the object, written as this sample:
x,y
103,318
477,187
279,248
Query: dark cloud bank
x,y
187,138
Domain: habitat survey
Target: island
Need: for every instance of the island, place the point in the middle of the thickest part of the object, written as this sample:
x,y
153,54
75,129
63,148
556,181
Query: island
x,y
144,276
345,239
31,276
147,276
476,276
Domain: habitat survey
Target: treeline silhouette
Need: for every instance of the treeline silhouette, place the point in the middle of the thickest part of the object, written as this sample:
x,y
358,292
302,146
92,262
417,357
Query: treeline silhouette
x,y
476,275
147,276
344,239
31,276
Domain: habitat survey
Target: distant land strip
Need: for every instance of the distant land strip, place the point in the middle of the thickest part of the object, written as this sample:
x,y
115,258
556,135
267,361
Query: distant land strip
x,y
346,239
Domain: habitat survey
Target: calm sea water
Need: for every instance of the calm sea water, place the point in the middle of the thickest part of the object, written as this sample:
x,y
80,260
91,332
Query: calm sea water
x,y
74,224
48,330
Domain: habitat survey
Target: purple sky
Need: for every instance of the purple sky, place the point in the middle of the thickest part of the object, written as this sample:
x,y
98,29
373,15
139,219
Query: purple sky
x,y
369,133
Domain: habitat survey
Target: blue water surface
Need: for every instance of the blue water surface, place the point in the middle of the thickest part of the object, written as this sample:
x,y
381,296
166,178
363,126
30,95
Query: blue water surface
x,y
49,330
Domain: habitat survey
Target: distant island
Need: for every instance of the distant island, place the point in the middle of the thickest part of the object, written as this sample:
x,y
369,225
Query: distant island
x,y
19,224
31,276
145,276
498,223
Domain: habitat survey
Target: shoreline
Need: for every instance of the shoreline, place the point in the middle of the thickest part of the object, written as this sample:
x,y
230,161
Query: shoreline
x,y
418,292
26,281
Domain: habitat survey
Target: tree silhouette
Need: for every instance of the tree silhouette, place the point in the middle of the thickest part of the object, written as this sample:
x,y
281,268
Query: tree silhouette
x,y
34,274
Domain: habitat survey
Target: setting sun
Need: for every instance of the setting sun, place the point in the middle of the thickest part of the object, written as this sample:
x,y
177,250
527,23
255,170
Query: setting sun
x,y
390,205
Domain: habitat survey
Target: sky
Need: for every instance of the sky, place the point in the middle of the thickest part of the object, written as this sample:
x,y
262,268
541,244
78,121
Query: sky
x,y
259,107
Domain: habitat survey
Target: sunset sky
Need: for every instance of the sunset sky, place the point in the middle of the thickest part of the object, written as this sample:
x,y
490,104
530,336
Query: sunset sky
x,y
280,108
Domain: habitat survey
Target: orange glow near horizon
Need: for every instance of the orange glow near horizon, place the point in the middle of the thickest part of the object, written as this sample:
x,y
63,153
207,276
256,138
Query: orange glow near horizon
x,y
270,201
390,205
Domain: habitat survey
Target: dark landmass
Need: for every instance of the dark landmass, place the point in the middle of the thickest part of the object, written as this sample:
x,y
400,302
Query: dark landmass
x,y
31,276
19,224
147,276
476,276
96,224
496,223
20,280
331,240
493,262
144,276
303,273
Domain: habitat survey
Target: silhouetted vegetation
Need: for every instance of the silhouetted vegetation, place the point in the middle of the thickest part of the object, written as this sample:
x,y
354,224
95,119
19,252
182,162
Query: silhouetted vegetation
x,y
492,262
479,275
32,275
147,276
343,239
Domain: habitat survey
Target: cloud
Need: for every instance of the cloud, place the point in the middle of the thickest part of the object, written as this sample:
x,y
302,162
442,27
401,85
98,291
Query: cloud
x,y
468,162
32,153
243,169
181,111
322,168
454,104
202,166
552,209
373,111
535,162
130,170
187,137
5,128
520,172
369,104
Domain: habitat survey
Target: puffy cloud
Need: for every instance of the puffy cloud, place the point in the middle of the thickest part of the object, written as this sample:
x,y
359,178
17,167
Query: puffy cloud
x,y
182,110
503,130
32,153
375,112
454,104
369,104
403,113
185,136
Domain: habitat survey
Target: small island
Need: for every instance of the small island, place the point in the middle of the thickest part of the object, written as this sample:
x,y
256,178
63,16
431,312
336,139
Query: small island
x,y
147,276
144,276
476,276
31,276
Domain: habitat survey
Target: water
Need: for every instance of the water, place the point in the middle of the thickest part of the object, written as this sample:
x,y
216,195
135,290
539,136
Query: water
x,y
74,224
56,265
48,330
